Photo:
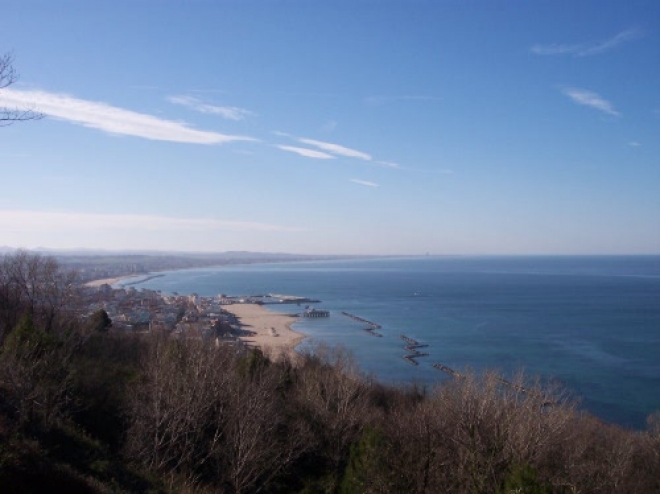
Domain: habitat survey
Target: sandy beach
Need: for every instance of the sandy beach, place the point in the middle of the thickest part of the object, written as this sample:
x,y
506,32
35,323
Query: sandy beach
x,y
273,333
273,330
109,281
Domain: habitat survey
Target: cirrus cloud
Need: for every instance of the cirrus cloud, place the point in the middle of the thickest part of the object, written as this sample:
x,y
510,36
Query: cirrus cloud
x,y
388,164
307,153
228,112
336,149
587,49
111,119
364,183
591,99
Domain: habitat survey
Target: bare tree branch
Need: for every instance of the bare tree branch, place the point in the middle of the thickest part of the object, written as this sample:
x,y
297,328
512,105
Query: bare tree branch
x,y
8,76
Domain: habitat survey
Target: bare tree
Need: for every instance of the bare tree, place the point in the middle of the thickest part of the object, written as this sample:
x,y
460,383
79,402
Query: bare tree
x,y
334,398
34,285
197,417
260,442
8,76
177,409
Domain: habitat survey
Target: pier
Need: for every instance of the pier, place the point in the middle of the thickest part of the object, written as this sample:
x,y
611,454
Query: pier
x,y
278,298
316,313
268,299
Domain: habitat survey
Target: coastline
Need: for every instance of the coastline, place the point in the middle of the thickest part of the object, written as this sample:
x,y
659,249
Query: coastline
x,y
109,281
272,330
454,346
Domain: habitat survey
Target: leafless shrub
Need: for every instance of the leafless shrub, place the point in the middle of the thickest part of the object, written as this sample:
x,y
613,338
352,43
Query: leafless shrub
x,y
470,432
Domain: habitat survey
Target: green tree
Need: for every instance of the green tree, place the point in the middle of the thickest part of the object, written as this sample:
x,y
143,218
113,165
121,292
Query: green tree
x,y
523,479
99,321
365,464
36,372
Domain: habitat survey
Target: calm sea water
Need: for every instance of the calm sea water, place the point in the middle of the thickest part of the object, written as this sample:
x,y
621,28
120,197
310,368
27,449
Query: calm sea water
x,y
591,323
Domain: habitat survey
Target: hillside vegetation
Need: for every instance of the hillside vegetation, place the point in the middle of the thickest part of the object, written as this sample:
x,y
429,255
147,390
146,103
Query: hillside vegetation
x,y
85,410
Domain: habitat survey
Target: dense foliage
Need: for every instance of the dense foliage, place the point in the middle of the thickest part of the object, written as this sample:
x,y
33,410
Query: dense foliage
x,y
85,410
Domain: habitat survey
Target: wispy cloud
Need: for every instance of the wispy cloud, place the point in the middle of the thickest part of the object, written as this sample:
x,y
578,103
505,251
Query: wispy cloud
x,y
364,182
330,150
433,171
388,164
101,116
144,86
381,99
28,221
208,90
329,126
228,112
307,153
279,133
634,144
587,49
591,99
336,149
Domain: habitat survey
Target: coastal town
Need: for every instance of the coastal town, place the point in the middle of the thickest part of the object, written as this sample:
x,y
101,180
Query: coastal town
x,y
221,319
188,316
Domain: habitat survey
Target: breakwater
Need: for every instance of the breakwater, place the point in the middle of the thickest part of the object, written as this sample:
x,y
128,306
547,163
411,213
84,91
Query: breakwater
x,y
408,340
363,320
412,349
141,280
413,345
447,370
301,300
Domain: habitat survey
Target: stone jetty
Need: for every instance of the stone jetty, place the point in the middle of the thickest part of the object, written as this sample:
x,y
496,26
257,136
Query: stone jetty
x,y
361,319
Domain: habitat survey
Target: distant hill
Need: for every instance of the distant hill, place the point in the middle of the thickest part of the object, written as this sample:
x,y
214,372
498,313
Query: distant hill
x,y
100,264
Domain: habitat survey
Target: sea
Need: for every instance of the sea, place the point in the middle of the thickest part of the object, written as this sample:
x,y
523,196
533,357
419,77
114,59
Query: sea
x,y
590,324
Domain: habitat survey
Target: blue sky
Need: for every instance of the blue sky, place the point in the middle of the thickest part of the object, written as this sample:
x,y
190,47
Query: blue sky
x,y
343,127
